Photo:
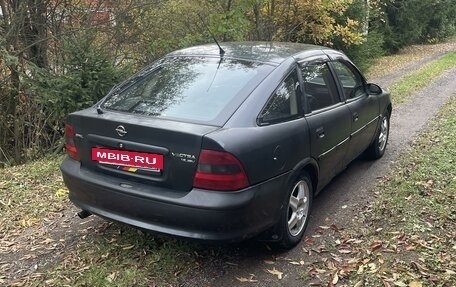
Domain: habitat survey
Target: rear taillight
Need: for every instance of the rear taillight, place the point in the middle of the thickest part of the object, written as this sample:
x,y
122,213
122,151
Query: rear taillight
x,y
70,147
219,171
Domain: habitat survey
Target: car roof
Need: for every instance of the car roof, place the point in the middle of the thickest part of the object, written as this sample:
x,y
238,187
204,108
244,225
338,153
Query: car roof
x,y
270,52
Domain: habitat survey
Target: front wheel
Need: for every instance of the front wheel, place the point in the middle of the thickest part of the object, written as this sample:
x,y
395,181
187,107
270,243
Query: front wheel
x,y
378,147
295,215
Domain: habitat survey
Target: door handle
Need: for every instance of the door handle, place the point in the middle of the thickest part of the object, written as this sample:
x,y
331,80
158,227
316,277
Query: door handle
x,y
355,117
320,132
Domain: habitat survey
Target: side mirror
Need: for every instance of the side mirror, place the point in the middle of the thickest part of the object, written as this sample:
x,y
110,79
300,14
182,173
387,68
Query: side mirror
x,y
373,89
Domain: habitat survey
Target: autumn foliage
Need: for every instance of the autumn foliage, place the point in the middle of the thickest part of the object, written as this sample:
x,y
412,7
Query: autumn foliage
x,y
59,56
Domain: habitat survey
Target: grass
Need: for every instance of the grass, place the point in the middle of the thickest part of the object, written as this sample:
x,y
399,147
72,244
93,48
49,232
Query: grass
x,y
407,236
416,208
109,254
407,85
120,256
30,192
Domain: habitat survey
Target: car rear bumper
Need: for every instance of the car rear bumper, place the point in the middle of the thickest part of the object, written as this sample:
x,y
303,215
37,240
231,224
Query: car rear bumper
x,y
197,214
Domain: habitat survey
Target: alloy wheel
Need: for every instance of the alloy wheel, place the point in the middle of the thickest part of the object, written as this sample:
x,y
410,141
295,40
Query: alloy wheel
x,y
383,136
298,207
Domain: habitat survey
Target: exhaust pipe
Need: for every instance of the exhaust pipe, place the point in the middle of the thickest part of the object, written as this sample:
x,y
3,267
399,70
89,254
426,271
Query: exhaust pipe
x,y
83,214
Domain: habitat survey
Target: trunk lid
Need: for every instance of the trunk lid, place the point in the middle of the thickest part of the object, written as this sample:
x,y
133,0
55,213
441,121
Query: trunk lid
x,y
177,143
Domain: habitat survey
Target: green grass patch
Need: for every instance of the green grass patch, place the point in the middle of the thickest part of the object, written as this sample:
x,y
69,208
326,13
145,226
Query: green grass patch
x,y
30,192
416,210
407,85
410,232
407,236
121,256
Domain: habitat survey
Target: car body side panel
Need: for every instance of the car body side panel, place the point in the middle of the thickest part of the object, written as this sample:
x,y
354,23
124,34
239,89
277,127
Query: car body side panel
x,y
385,105
384,101
265,151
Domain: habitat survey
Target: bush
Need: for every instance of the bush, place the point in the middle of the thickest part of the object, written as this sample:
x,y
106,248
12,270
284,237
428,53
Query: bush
x,y
86,73
416,21
364,55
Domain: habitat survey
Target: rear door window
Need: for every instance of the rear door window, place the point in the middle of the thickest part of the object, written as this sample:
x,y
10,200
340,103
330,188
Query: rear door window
x,y
190,89
319,87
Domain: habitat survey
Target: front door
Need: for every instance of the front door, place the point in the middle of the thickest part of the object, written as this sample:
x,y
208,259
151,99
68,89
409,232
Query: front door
x,y
364,108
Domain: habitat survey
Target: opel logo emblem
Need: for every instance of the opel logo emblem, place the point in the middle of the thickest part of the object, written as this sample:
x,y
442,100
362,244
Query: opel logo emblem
x,y
121,130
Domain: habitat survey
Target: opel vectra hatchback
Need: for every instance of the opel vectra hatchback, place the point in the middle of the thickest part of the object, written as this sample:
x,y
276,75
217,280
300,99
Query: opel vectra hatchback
x,y
224,144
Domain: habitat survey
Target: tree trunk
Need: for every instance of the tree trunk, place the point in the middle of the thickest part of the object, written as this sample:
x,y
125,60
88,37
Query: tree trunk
x,y
35,32
12,110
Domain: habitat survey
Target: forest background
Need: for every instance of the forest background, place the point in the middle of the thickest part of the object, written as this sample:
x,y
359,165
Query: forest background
x,y
58,56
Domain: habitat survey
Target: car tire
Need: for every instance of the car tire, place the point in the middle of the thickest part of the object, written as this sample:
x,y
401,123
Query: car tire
x,y
377,149
296,213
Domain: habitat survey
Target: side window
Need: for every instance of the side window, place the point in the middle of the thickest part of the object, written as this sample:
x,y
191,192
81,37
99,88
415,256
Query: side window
x,y
319,86
351,80
283,104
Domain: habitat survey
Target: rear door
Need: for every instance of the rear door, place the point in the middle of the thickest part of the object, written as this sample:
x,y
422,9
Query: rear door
x,y
327,115
364,108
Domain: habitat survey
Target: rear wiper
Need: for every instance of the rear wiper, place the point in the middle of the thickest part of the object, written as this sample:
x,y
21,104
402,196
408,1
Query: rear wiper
x,y
133,79
99,110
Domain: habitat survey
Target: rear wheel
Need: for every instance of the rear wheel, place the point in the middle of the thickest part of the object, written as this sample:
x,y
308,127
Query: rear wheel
x,y
295,215
378,147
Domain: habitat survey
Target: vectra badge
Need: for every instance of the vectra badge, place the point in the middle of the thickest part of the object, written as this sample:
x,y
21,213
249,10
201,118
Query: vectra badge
x,y
121,130
184,157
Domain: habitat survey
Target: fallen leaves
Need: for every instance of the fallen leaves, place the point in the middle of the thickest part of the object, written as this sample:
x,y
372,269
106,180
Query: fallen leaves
x,y
388,245
376,244
276,273
28,222
335,279
249,279
61,192
128,247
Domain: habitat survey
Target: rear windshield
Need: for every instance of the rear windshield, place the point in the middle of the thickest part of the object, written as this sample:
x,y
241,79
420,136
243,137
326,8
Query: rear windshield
x,y
190,88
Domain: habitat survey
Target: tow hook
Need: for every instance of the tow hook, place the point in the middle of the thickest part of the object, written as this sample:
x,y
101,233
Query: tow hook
x,y
83,214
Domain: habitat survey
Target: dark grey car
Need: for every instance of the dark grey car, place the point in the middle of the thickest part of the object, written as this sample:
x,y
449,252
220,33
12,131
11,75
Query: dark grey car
x,y
227,146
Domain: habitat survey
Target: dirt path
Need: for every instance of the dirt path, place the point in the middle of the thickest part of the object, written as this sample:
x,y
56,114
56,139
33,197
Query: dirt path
x,y
341,201
29,252
424,55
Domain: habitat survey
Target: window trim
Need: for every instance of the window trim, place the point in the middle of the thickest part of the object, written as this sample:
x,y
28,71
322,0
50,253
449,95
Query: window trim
x,y
325,109
298,101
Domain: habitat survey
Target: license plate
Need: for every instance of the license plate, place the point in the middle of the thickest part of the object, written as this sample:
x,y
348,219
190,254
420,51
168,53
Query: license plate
x,y
128,158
